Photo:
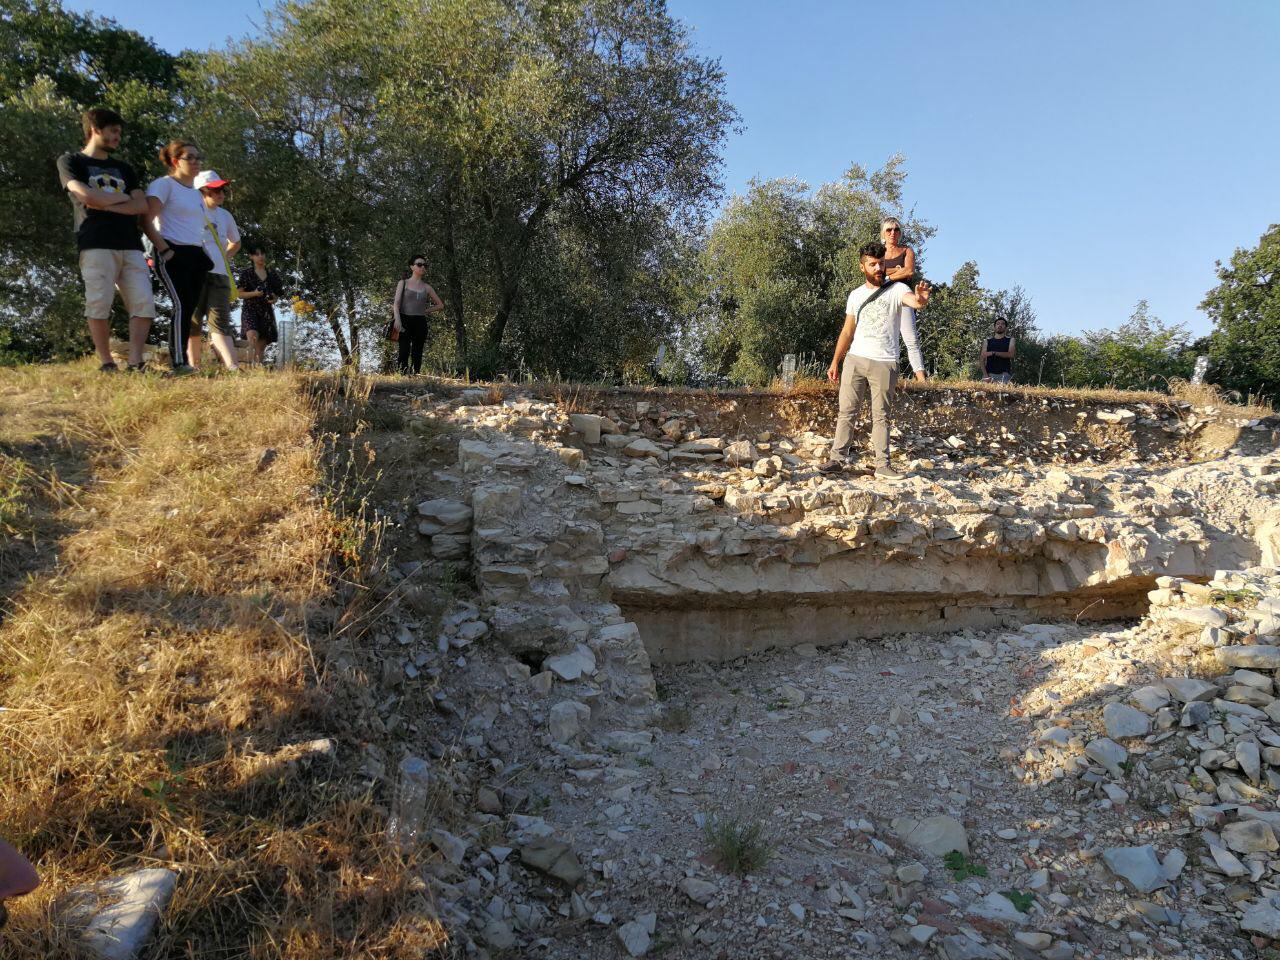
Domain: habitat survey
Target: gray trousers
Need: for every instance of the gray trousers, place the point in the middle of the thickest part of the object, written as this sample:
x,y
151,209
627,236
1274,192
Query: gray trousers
x,y
861,378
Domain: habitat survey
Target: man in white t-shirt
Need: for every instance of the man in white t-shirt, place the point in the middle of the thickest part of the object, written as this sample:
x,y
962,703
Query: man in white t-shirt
x,y
869,345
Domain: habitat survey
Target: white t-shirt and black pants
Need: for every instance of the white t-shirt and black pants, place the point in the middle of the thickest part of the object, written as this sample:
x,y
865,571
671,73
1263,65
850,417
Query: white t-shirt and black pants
x,y
181,223
215,297
870,370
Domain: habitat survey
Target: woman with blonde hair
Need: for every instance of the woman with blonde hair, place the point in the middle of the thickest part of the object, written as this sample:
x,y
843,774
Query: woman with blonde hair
x,y
899,260
175,222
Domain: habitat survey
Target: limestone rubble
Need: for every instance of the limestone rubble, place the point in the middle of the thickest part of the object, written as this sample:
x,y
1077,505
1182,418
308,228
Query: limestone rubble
x,y
676,618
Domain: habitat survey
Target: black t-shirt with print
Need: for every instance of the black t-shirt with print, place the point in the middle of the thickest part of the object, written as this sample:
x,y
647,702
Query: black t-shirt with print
x,y
101,229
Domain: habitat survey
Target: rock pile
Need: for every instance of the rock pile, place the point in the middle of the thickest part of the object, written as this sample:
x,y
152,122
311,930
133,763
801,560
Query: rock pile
x,y
881,771
1201,750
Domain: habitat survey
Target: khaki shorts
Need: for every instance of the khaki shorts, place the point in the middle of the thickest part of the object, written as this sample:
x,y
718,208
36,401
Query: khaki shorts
x,y
105,272
215,302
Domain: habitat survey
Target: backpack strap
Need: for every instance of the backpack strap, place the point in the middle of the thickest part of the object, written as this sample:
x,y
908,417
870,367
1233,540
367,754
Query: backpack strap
x,y
875,296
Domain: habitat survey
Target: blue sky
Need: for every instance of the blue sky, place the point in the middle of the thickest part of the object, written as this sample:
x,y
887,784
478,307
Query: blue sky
x,y
1095,153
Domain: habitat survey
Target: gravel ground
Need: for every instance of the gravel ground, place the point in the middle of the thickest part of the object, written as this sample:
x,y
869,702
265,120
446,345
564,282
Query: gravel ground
x,y
826,749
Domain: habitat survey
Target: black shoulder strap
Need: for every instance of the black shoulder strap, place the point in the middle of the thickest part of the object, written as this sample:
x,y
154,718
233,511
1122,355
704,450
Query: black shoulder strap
x,y
867,302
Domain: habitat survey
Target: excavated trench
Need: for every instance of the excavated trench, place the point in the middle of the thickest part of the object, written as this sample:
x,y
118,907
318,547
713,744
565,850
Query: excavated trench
x,y
702,520
964,545
727,616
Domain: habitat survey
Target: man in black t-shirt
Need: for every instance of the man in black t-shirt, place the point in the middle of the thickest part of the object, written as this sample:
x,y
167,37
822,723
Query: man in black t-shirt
x,y
108,199
997,355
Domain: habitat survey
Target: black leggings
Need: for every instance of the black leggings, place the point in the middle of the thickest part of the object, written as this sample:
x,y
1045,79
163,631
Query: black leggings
x,y
183,276
413,337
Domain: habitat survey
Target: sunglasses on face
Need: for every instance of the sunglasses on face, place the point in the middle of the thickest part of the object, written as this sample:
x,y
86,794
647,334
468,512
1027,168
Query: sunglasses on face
x,y
419,264
190,158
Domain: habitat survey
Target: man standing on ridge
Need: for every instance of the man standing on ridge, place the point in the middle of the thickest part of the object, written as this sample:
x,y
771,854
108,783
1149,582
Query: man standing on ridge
x,y
997,355
107,199
869,345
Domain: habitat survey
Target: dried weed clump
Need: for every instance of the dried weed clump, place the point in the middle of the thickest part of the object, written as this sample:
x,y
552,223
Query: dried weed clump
x,y
165,635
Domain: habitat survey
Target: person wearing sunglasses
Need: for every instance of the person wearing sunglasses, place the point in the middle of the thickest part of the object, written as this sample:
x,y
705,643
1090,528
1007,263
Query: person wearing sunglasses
x,y
899,260
414,301
176,226
221,241
17,877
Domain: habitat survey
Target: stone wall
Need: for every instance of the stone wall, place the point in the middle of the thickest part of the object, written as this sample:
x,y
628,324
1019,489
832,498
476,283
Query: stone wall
x,y
716,542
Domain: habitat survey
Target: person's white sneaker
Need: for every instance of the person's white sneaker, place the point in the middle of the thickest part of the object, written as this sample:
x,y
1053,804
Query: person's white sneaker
x,y
887,473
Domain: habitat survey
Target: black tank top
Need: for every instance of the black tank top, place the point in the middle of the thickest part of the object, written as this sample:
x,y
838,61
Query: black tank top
x,y
998,364
892,263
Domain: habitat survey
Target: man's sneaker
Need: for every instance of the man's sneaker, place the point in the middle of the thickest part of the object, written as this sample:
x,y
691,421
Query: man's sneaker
x,y
834,466
183,370
136,367
887,473
109,368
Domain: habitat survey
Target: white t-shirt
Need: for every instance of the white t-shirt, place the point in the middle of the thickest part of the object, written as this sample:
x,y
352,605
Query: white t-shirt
x,y
225,224
876,335
181,218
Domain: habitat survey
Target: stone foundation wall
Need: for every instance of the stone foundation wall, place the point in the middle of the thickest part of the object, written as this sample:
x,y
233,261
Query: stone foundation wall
x,y
715,544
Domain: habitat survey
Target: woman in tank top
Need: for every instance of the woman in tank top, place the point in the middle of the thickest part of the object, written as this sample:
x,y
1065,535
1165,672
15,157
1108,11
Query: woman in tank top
x,y
899,260
414,301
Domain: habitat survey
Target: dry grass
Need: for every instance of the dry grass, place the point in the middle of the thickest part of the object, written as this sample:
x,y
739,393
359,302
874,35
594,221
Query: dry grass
x,y
170,629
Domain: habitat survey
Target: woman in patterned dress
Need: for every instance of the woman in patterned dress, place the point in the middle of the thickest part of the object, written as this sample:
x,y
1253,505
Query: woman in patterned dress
x,y
260,287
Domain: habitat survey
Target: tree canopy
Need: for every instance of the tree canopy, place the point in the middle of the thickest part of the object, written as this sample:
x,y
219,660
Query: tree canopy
x,y
558,164
1245,307
780,261
56,63
546,157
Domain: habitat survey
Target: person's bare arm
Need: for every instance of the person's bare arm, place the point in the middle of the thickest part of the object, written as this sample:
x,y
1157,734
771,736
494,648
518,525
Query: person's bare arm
x,y
96,199
149,228
904,272
436,303
136,205
918,299
395,306
842,346
1010,352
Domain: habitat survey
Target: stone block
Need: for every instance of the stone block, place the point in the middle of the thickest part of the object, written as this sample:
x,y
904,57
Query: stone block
x,y
587,424
445,516
449,546
118,916
495,502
